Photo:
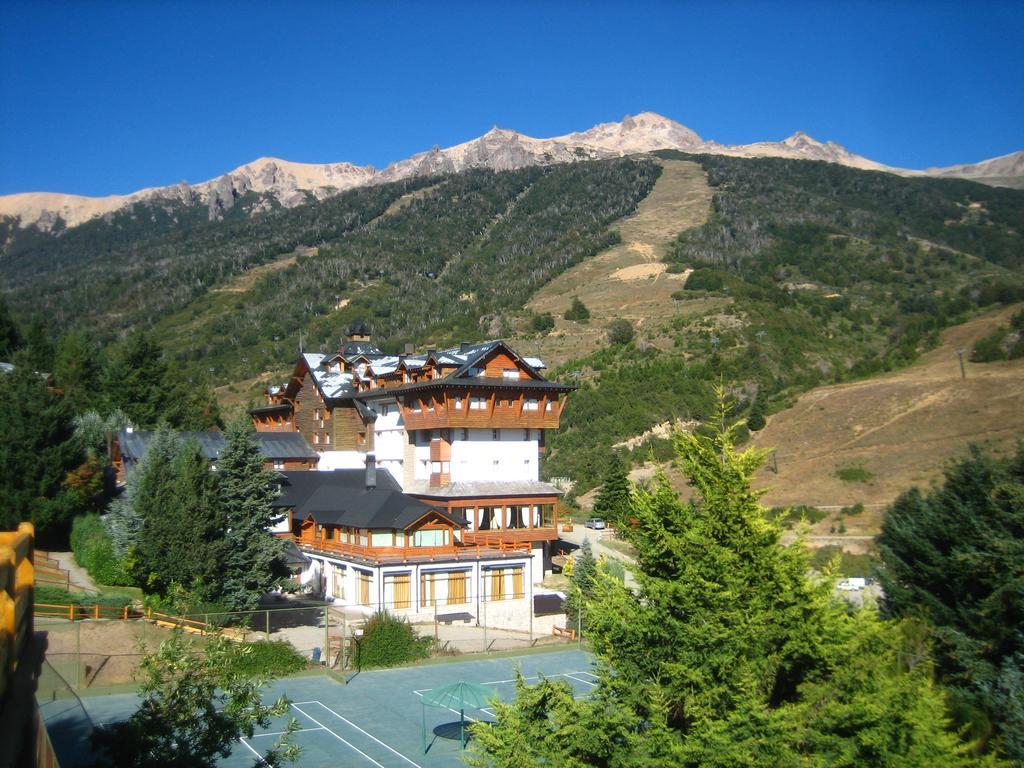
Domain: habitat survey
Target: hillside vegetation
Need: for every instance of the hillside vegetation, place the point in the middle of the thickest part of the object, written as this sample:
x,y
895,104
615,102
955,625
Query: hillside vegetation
x,y
819,274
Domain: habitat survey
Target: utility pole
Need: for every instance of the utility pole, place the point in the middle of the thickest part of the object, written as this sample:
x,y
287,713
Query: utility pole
x,y
960,354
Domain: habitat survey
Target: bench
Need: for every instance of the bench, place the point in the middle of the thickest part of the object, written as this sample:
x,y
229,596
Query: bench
x,y
448,618
564,632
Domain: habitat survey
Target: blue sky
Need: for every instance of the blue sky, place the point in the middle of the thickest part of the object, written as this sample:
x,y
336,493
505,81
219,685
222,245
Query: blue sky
x,y
102,98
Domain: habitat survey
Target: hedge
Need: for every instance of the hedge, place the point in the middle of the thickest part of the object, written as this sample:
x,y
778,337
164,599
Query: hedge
x,y
95,552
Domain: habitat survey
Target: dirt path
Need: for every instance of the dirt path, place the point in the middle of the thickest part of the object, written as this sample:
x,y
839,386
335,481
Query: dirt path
x,y
79,577
628,280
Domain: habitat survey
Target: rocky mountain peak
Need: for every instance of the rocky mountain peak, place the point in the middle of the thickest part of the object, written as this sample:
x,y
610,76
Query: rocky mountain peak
x,y
290,184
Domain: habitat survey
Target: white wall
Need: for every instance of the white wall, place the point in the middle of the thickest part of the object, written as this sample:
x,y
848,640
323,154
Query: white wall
x,y
331,460
484,459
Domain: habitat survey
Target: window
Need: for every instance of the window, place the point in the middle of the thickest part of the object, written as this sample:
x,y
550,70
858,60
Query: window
x,y
495,434
465,434
457,588
550,405
477,403
316,438
531,405
363,579
278,464
417,406
510,373
397,590
381,539
430,538
506,583
338,582
327,438
457,403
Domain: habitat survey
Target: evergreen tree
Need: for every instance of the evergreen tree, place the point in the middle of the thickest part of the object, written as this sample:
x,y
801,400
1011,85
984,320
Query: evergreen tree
x,y
10,337
253,559
38,352
154,500
581,586
955,556
613,500
578,311
135,380
37,452
76,370
756,418
728,654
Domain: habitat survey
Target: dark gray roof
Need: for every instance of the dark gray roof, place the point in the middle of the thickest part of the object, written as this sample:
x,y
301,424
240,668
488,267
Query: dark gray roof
x,y
356,348
273,445
536,385
342,498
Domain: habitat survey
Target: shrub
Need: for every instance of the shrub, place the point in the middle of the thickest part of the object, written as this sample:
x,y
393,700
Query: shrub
x,y
620,332
542,323
94,551
577,312
388,641
854,475
704,280
266,659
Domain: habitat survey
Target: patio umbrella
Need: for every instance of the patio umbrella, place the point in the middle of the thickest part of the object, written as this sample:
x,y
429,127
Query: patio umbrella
x,y
456,697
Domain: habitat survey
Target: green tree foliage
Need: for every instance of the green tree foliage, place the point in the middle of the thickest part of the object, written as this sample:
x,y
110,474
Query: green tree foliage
x,y
253,560
620,332
388,641
195,707
172,490
613,501
10,336
955,556
38,350
94,551
577,312
581,586
76,370
1003,343
756,417
542,323
728,654
38,451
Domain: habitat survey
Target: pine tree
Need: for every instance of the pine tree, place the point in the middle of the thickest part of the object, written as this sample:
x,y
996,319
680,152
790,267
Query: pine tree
x,y
252,562
154,500
37,452
10,337
756,418
581,585
613,500
135,380
727,654
76,370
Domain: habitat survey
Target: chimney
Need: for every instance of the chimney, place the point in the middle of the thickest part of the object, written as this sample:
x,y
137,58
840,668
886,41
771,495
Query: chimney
x,y
409,348
463,346
371,471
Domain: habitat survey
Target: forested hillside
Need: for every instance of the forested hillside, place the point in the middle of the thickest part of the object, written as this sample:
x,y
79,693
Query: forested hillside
x,y
804,273
828,273
433,270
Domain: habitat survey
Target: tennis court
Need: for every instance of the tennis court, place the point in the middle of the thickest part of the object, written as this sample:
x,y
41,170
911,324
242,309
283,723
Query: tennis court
x,y
374,720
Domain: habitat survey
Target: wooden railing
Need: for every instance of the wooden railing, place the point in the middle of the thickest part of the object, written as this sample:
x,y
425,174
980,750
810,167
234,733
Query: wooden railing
x,y
76,612
16,589
379,555
511,535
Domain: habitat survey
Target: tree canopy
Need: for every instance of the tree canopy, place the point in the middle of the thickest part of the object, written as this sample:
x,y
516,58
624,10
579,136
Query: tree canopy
x,y
728,653
955,556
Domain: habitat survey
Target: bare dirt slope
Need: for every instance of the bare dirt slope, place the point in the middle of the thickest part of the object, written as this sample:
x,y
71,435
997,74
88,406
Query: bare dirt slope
x,y
628,280
899,429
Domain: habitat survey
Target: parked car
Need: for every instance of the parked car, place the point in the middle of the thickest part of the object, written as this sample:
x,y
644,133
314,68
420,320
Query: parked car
x,y
596,523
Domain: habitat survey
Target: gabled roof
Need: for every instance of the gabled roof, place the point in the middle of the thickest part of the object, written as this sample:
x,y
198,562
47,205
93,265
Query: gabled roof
x,y
342,498
273,445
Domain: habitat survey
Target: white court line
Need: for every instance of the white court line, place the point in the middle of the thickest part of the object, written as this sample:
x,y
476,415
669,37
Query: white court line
x,y
421,691
247,746
306,714
577,679
282,733
370,735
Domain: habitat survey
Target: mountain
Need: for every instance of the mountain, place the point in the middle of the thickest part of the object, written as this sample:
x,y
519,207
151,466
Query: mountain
x,y
287,184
